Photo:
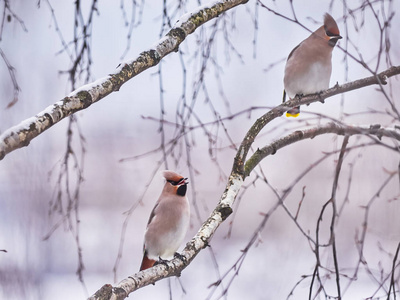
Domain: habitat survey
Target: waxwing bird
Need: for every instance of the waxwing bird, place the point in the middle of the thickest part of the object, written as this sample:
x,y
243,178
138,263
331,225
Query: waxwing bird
x,y
168,221
309,65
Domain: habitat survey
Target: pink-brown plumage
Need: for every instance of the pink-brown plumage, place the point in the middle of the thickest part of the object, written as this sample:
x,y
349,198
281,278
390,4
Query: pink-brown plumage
x,y
168,222
309,65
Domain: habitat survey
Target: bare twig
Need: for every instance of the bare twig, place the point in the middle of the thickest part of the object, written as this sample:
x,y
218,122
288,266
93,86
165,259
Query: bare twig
x,y
335,213
392,280
9,14
11,71
21,135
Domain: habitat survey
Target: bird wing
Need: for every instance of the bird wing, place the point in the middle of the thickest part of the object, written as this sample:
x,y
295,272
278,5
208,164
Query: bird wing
x,y
294,49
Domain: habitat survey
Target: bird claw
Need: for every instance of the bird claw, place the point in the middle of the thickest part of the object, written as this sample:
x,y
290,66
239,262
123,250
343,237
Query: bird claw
x,y
322,100
163,262
299,96
180,256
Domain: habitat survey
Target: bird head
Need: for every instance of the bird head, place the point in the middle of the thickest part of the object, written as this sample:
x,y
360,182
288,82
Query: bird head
x,y
332,34
175,183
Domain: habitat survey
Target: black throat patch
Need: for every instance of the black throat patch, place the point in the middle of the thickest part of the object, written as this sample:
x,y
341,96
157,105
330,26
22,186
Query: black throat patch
x,y
332,42
182,190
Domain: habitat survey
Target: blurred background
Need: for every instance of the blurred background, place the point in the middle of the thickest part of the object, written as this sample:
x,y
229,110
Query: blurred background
x,y
81,193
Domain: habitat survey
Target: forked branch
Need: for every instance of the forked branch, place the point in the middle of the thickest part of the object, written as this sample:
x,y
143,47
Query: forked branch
x,y
224,208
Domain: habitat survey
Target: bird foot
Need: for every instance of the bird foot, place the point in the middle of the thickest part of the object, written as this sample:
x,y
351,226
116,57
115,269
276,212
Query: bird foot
x,y
322,100
180,256
162,261
299,96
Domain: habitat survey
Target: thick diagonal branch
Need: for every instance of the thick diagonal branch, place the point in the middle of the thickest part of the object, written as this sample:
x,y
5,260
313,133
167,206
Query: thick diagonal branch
x,y
175,266
224,209
21,134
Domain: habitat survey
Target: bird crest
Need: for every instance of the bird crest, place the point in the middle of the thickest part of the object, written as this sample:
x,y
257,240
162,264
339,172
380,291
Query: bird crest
x,y
171,175
330,26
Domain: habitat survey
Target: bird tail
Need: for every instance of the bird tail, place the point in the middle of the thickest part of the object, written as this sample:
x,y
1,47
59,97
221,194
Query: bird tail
x,y
146,262
294,112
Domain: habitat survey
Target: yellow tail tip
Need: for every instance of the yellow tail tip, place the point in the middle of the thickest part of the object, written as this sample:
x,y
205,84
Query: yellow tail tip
x,y
288,114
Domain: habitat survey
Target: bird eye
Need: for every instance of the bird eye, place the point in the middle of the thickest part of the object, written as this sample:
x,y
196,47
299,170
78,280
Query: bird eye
x,y
329,33
179,182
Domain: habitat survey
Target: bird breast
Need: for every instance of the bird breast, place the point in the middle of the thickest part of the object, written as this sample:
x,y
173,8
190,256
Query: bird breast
x,y
168,228
308,79
309,66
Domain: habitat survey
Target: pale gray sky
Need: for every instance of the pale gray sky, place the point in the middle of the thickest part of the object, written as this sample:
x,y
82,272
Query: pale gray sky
x,y
114,129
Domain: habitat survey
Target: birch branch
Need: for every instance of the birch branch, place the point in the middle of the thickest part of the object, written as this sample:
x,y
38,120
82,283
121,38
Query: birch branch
x,y
176,265
380,79
22,134
224,208
332,127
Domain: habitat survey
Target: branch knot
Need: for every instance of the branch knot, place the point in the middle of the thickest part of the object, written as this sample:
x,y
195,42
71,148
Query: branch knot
x,y
225,211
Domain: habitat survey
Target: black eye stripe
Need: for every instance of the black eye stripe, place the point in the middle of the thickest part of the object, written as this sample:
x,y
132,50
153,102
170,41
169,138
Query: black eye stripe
x,y
329,33
173,182
180,181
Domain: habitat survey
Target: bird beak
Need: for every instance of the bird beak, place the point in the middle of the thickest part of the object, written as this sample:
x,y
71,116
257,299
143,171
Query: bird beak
x,y
336,37
183,181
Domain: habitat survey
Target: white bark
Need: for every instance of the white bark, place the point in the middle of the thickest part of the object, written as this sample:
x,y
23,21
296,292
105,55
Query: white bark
x,y
176,265
20,135
224,208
